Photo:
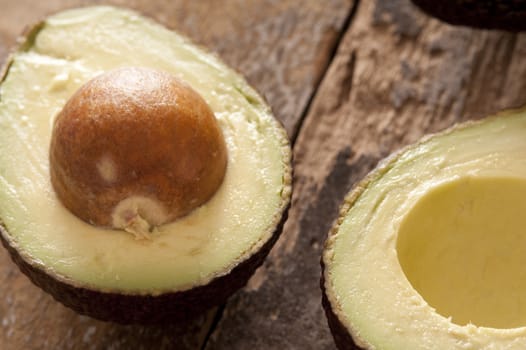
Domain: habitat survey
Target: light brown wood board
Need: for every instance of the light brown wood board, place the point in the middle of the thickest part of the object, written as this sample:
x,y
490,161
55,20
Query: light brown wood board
x,y
389,74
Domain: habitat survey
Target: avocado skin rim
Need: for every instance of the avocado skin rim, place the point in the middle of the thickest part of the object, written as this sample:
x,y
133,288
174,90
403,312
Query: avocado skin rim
x,y
340,334
507,15
170,307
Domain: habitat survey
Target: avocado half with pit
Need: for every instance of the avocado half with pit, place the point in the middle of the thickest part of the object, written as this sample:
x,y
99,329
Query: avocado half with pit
x,y
489,14
428,250
141,180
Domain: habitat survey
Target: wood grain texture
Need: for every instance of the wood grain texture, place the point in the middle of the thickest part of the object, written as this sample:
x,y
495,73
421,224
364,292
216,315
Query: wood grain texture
x,y
397,75
282,47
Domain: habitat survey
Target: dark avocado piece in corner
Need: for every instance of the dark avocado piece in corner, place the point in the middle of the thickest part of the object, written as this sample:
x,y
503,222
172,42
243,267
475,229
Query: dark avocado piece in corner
x,y
488,14
427,252
94,206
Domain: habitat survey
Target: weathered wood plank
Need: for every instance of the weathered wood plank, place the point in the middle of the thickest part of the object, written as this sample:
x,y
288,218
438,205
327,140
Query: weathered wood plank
x,y
282,47
396,76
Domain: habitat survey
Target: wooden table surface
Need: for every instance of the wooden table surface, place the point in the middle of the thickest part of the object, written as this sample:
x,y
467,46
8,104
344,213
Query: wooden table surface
x,y
352,81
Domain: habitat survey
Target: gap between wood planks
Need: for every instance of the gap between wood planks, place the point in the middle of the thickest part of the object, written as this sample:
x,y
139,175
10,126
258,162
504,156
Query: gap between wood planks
x,y
332,54
345,27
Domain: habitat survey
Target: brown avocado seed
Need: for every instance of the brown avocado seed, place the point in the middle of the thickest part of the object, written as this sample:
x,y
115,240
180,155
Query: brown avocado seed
x,y
135,148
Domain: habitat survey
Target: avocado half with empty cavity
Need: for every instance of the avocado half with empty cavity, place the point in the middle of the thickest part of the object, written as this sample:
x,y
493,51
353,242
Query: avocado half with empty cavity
x,y
489,14
141,180
427,252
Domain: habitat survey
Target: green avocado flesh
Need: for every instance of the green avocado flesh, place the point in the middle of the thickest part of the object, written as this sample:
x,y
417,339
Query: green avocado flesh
x,y
428,251
63,53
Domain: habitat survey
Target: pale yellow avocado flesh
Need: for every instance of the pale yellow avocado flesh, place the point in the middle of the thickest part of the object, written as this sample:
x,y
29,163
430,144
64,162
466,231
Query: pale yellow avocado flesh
x,y
429,252
462,248
69,49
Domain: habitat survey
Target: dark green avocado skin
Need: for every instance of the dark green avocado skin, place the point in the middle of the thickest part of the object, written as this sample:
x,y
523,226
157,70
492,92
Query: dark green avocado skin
x,y
507,15
174,307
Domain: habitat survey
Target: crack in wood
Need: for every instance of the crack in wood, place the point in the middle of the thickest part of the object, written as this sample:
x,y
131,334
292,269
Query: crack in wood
x,y
217,318
346,81
344,29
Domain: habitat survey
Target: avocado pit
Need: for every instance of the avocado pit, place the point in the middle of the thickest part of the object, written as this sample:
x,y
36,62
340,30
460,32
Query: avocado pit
x,y
135,148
